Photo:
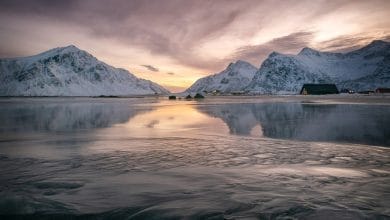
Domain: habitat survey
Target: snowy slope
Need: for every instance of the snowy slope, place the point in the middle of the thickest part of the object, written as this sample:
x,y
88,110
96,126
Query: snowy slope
x,y
68,71
234,78
363,69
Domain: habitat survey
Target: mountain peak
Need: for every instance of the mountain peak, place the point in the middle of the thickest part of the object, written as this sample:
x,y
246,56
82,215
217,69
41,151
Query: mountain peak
x,y
241,62
238,64
308,51
377,45
235,77
379,42
374,47
58,50
274,54
69,48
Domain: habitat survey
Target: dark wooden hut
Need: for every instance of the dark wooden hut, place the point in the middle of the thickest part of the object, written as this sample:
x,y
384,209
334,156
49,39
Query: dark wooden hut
x,y
382,90
319,89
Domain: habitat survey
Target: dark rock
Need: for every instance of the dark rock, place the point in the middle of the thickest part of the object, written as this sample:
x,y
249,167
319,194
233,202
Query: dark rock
x,y
198,96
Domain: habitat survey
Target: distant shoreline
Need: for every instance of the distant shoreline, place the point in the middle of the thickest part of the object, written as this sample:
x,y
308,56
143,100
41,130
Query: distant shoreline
x,y
305,99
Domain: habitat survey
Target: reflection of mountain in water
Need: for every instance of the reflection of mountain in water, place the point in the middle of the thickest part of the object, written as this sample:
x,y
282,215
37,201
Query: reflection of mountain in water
x,y
63,116
345,123
239,118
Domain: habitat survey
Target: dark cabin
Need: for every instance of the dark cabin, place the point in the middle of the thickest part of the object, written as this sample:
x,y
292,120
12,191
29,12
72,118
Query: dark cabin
x,y
319,89
382,90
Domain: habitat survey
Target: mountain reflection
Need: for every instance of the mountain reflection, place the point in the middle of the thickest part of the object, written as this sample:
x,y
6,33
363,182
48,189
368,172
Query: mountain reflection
x,y
67,116
362,124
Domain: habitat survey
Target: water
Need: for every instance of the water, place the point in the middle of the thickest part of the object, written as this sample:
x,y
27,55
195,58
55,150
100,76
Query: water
x,y
221,158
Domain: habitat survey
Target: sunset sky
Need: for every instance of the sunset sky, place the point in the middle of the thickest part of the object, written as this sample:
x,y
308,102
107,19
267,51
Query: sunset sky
x,y
174,42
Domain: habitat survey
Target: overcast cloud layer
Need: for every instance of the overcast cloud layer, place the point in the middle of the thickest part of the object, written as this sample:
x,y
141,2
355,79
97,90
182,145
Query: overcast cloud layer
x,y
188,38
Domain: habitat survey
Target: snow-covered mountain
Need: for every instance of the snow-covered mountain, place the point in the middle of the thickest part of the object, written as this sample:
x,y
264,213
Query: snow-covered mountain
x,y
234,78
365,69
69,71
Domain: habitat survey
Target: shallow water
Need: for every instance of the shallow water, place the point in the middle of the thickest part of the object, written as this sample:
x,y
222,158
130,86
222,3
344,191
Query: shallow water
x,y
212,159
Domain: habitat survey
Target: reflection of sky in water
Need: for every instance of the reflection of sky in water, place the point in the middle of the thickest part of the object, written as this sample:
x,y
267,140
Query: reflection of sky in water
x,y
173,120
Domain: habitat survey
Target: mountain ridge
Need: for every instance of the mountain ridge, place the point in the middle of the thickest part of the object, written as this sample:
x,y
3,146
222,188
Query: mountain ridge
x,y
363,69
285,73
69,71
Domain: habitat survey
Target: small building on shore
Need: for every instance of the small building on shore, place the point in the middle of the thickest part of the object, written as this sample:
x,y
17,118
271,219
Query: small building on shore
x,y
319,89
382,90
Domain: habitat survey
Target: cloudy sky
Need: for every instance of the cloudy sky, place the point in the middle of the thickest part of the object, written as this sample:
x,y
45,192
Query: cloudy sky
x,y
175,42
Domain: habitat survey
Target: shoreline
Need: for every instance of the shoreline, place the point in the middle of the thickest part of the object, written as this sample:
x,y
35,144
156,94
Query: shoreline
x,y
306,99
